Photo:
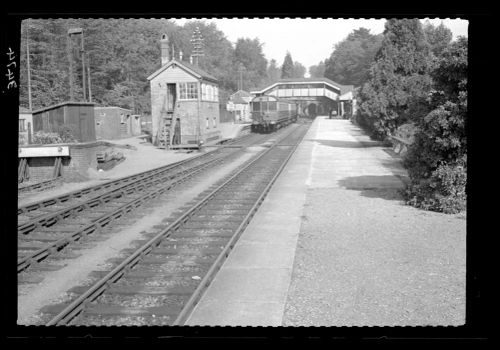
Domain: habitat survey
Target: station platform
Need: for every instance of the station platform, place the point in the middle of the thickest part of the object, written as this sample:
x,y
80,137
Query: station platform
x,y
332,231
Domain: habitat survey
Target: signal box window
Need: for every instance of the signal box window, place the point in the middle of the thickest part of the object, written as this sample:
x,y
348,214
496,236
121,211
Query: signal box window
x,y
271,106
256,106
188,91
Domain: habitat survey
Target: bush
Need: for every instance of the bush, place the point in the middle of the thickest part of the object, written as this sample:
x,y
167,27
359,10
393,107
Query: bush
x,y
45,138
443,191
66,133
437,160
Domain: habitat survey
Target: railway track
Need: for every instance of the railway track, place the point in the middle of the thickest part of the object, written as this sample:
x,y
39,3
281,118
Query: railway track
x,y
38,187
161,281
45,228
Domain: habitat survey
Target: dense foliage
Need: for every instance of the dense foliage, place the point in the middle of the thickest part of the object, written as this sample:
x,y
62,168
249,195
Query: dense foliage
x,y
399,79
317,71
122,53
350,61
437,160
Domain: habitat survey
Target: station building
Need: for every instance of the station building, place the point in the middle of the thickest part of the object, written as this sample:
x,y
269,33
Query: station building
x,y
239,104
314,96
184,103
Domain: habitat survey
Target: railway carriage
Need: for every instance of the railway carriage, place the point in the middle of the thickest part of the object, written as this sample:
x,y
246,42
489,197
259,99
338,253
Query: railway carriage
x,y
270,113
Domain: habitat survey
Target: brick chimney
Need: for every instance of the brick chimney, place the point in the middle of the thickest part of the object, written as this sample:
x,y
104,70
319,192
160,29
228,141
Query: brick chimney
x,y
164,49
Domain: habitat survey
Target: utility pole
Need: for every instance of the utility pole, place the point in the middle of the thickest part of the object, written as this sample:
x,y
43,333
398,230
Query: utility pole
x,y
240,70
72,31
90,91
83,72
28,62
197,42
69,48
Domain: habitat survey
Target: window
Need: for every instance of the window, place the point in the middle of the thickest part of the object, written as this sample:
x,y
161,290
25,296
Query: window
x,y
122,118
204,92
256,106
22,125
215,123
208,127
216,90
188,91
271,106
210,93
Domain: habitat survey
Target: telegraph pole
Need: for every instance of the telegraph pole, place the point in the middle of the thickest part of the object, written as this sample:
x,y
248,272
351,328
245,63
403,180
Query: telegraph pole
x,y
90,91
197,42
83,72
240,70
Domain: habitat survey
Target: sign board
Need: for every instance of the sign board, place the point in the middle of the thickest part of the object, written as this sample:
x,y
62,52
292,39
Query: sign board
x,y
56,151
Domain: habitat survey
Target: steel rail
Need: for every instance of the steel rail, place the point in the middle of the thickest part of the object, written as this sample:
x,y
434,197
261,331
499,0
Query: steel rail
x,y
207,279
38,185
100,222
77,306
125,189
126,179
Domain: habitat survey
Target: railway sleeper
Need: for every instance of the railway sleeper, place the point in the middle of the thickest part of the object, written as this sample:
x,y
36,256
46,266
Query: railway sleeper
x,y
200,225
114,310
217,218
185,232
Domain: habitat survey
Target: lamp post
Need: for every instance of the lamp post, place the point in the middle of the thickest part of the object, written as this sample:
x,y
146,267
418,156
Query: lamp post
x,y
72,31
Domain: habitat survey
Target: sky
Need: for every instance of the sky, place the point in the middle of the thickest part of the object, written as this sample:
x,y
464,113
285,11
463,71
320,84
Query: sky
x,y
309,41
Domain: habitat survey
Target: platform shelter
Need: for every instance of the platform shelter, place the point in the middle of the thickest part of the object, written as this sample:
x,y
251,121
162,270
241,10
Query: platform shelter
x,y
314,96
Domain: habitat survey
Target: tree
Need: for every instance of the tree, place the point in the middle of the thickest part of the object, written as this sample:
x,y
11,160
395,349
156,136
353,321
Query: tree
x,y
287,67
438,37
350,61
273,72
437,160
249,53
298,70
317,71
399,79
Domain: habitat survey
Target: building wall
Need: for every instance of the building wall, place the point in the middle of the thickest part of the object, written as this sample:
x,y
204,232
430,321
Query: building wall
x,y
192,113
107,123
75,167
159,90
28,127
135,122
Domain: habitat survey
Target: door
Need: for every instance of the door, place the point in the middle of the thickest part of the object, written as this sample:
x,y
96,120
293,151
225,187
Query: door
x,y
83,116
171,97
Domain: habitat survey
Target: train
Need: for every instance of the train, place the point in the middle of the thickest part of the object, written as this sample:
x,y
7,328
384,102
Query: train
x,y
270,113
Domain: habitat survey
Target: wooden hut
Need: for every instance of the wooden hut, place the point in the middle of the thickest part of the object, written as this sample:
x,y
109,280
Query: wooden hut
x,y
77,116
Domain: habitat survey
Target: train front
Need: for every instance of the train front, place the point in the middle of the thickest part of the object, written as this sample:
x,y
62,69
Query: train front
x,y
264,113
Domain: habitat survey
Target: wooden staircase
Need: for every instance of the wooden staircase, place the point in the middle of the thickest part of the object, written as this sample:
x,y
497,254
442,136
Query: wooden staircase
x,y
169,130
